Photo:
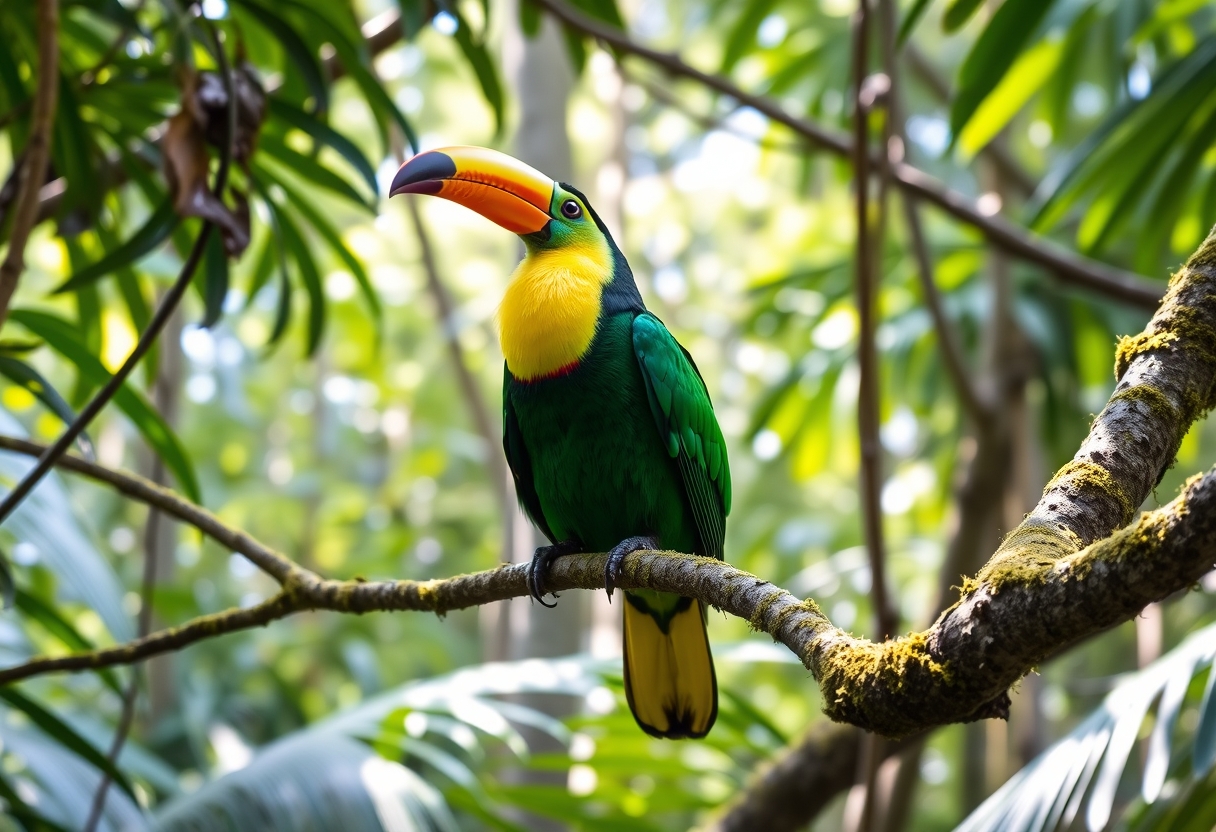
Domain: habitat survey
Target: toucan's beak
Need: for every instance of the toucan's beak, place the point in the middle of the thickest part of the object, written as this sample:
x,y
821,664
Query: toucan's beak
x,y
500,188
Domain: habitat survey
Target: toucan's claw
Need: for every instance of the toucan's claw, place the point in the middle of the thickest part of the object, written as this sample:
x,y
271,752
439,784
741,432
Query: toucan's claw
x,y
544,557
616,558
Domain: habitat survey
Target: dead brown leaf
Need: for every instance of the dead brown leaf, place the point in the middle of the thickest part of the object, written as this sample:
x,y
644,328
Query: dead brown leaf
x,y
203,121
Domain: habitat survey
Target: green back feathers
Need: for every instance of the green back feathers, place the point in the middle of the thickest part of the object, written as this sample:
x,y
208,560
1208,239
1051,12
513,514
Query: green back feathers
x,y
686,423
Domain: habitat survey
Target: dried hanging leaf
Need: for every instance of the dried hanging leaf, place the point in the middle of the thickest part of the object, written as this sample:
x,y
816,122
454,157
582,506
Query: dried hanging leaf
x,y
203,121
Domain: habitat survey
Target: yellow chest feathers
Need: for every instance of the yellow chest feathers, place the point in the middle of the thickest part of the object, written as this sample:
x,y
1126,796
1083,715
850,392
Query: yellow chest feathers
x,y
548,316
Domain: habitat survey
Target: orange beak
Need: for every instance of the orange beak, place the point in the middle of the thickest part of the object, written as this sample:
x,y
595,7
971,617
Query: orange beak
x,y
500,188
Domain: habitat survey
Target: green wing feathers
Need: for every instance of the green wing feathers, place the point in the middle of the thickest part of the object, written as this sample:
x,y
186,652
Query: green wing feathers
x,y
686,422
521,465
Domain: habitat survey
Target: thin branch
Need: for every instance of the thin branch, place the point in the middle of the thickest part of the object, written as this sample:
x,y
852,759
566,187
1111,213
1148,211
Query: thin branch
x,y
170,502
866,288
1068,267
149,336
947,339
127,717
37,152
869,238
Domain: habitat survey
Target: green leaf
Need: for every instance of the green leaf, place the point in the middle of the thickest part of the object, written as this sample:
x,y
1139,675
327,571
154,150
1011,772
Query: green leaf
x,y
73,152
151,234
414,15
993,53
1205,734
331,236
20,810
65,735
33,607
275,252
262,270
1128,131
309,276
215,280
8,589
1029,73
958,12
1176,179
140,314
483,66
23,375
355,62
529,19
742,36
296,49
919,7
307,167
323,133
64,338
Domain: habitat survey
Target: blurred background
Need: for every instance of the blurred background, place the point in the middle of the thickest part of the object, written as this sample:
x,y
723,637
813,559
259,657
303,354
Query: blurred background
x,y
333,388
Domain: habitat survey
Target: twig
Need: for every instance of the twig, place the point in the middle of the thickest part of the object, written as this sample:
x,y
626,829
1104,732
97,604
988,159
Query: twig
x,y
866,288
272,563
37,152
1071,268
144,627
149,336
947,340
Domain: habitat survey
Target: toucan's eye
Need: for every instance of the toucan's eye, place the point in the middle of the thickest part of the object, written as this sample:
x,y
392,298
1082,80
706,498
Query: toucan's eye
x,y
571,210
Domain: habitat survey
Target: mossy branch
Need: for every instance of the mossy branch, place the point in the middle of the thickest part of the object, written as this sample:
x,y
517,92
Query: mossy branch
x,y
1048,585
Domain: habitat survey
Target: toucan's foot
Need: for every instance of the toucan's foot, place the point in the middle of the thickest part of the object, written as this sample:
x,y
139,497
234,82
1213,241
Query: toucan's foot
x,y
616,558
545,555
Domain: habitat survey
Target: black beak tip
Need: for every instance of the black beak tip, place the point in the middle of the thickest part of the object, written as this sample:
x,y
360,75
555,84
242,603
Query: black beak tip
x,y
424,174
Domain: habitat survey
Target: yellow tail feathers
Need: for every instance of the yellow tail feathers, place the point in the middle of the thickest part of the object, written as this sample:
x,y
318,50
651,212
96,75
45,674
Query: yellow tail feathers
x,y
669,671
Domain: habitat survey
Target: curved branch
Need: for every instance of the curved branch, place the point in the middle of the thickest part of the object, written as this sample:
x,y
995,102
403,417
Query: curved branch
x,y
37,152
1048,585
1069,267
170,502
949,673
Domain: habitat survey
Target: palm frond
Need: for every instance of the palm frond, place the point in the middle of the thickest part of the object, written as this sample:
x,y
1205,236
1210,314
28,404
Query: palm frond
x,y
1083,770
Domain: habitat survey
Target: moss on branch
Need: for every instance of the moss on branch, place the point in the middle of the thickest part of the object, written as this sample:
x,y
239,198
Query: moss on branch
x,y
1057,578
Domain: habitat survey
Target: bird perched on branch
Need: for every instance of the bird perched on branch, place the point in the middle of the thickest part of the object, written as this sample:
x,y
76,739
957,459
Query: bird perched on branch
x,y
607,425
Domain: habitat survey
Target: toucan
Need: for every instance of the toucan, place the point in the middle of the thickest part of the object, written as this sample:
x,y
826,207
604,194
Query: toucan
x,y
607,424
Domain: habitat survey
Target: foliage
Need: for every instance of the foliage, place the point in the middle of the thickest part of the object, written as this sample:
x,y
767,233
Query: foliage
x,y
1052,791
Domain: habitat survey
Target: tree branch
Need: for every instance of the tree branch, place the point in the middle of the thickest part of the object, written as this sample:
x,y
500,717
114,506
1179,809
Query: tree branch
x,y
800,783
1048,585
1068,267
37,152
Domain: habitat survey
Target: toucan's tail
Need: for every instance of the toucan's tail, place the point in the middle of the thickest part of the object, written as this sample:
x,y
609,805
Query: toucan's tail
x,y
669,672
